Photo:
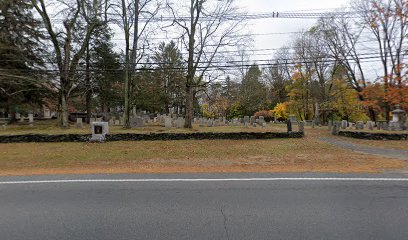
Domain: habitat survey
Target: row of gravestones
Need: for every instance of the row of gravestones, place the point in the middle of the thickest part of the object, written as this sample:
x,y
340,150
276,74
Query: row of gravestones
x,y
370,125
173,120
21,118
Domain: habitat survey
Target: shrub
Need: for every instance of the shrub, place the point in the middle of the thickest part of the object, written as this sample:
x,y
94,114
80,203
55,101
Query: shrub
x,y
280,112
268,116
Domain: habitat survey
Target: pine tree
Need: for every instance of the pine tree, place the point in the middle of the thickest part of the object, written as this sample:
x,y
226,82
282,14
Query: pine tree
x,y
20,55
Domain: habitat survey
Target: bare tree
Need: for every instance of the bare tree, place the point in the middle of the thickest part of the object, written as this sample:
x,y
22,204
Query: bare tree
x,y
67,46
210,27
388,22
278,75
136,16
342,40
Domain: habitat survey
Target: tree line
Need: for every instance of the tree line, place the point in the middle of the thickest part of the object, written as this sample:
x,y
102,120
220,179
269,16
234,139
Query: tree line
x,y
63,54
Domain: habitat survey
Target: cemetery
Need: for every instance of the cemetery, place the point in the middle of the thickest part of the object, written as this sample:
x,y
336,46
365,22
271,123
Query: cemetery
x,y
91,95
38,146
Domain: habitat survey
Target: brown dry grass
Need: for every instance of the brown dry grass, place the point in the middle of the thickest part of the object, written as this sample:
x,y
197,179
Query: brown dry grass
x,y
49,127
278,155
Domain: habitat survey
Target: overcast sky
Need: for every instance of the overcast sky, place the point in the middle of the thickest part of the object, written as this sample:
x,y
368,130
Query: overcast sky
x,y
277,32
276,25
285,25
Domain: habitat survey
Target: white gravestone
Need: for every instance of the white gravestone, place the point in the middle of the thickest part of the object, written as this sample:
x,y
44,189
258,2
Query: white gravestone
x,y
344,124
99,131
47,113
79,123
30,118
167,122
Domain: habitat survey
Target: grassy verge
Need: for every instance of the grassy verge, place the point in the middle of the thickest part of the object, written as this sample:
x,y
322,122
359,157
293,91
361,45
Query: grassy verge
x,y
278,155
49,127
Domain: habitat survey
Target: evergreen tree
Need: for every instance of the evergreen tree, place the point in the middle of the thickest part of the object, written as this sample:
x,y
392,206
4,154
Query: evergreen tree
x,y
253,91
19,55
170,76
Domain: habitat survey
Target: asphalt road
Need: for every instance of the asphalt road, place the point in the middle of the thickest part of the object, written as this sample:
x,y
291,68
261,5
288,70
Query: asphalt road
x,y
267,209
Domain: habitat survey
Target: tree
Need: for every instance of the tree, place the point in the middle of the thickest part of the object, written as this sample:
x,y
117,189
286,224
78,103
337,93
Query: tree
x,y
204,33
276,76
106,74
388,22
169,71
253,94
342,41
21,78
136,16
69,44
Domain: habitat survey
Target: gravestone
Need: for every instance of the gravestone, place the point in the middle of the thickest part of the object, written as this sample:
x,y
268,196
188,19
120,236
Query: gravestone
x,y
385,126
180,122
246,119
252,120
289,125
18,115
264,125
292,119
117,122
344,124
394,126
336,128
167,122
30,118
398,118
301,126
370,125
99,131
261,120
359,125
381,124
79,123
47,113
136,122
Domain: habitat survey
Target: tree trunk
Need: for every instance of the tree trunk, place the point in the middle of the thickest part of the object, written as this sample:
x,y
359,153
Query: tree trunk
x,y
371,112
88,97
189,107
64,112
11,109
126,114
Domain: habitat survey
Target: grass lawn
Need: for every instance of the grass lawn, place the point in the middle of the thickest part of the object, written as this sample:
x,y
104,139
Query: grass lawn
x,y
49,127
276,155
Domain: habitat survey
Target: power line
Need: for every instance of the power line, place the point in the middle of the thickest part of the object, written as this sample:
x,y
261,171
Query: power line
x,y
371,54
235,17
215,67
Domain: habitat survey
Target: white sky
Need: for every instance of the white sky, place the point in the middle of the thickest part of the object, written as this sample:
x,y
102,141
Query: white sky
x,y
284,25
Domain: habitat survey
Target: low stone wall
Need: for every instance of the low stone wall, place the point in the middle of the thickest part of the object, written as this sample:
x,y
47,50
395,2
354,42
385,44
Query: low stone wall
x,y
149,137
44,138
374,136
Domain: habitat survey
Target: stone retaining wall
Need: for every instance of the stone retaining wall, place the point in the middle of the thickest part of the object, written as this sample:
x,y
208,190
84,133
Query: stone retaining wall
x,y
374,136
148,137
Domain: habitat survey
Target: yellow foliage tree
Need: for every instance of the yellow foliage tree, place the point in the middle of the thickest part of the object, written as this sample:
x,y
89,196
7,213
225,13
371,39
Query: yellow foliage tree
x,y
280,111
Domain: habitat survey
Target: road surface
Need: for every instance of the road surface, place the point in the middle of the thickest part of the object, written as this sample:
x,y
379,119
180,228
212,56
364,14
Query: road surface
x,y
234,206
